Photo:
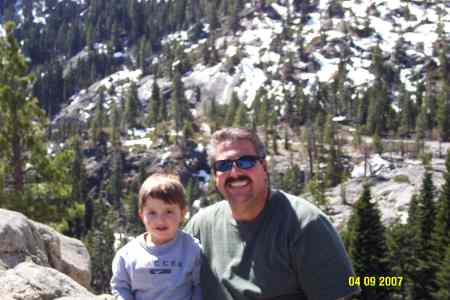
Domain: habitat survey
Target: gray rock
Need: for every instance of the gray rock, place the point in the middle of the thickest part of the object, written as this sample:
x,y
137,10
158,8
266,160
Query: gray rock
x,y
100,297
20,241
24,240
28,281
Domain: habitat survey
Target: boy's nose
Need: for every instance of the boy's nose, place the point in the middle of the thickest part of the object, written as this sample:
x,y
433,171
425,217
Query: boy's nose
x,y
160,218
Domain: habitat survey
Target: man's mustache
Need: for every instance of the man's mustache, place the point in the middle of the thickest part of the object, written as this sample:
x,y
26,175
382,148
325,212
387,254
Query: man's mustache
x,y
233,179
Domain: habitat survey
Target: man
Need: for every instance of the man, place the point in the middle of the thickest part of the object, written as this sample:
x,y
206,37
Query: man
x,y
261,243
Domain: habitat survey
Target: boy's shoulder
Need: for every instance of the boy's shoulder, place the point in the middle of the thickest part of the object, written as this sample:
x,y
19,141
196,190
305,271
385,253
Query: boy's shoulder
x,y
191,241
132,244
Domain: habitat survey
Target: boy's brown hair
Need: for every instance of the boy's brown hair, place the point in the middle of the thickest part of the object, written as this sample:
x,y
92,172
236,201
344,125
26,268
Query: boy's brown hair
x,y
166,187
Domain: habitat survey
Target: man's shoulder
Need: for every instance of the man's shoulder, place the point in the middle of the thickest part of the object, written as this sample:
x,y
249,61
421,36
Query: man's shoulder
x,y
206,217
211,212
304,210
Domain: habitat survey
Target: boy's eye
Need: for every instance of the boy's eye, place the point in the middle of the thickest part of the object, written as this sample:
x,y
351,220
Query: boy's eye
x,y
169,211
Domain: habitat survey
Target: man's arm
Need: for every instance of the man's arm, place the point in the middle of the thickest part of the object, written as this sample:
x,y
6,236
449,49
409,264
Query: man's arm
x,y
322,264
196,287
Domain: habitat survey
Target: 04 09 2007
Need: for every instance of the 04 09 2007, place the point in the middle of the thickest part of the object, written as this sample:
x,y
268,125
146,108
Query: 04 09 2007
x,y
375,281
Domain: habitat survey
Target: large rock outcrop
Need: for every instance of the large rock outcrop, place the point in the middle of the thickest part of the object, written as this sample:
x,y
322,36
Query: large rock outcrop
x,y
26,240
38,263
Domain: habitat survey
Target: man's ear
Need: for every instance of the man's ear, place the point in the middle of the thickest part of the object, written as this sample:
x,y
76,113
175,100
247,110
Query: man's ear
x,y
264,165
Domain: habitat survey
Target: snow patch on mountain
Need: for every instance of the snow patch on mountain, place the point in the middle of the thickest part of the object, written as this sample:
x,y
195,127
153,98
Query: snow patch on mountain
x,y
255,55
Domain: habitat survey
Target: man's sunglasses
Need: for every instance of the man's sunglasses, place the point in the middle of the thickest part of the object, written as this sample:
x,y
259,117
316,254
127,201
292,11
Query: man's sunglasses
x,y
244,162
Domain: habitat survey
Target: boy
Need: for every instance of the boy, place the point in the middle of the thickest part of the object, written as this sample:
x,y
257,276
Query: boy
x,y
164,262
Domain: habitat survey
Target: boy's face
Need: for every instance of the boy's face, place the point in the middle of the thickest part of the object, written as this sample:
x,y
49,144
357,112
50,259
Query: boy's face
x,y
161,219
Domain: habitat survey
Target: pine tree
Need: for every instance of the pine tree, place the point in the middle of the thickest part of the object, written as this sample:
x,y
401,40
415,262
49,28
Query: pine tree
x,y
441,232
22,121
131,108
257,105
367,245
180,110
79,192
116,177
134,223
443,278
311,147
423,276
98,122
273,122
188,131
430,100
291,182
443,113
400,243
421,127
332,172
362,111
154,105
241,119
317,190
214,116
236,7
100,244
213,18
115,126
233,107
407,115
377,144
378,108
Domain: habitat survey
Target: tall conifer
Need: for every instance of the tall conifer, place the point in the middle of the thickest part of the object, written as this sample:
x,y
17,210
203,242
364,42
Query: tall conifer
x,y
131,107
367,245
22,120
154,105
443,278
423,275
441,235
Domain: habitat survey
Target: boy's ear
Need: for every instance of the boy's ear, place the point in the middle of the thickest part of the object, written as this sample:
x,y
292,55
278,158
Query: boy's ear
x,y
183,214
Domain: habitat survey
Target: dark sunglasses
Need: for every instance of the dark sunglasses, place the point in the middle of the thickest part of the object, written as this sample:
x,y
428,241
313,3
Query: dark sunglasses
x,y
244,162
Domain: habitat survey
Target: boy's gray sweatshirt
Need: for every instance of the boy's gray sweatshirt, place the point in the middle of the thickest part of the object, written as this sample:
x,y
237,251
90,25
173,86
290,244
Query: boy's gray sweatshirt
x,y
166,272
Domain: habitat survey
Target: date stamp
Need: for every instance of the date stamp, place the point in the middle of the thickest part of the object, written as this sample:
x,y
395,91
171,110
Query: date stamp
x,y
376,281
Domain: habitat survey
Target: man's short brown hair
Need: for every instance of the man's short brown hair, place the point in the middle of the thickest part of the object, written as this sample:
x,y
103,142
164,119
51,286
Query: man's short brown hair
x,y
234,134
166,187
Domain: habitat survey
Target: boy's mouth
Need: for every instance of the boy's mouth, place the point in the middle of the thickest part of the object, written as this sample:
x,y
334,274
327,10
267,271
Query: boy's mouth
x,y
161,228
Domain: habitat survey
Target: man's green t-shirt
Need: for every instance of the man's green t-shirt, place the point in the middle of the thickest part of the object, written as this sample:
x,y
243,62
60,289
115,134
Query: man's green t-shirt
x,y
291,251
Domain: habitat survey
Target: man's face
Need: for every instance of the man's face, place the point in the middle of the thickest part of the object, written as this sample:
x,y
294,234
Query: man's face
x,y
245,189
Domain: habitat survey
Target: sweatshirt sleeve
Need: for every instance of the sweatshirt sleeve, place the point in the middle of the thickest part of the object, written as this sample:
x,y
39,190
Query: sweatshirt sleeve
x,y
120,281
322,264
196,287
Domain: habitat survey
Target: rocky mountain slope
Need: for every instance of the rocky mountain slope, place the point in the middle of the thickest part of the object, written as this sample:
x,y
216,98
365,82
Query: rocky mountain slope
x,y
278,46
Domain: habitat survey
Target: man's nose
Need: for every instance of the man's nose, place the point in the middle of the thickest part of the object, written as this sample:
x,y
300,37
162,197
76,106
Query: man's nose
x,y
235,169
